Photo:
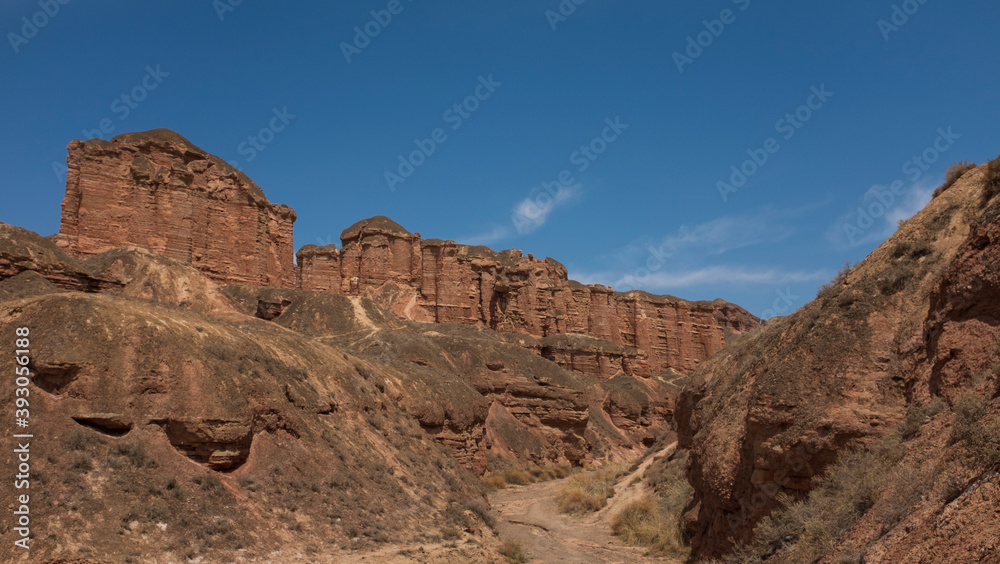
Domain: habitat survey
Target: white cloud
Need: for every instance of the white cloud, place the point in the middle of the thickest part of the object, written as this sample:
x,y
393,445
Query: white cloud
x,y
533,211
729,233
488,237
642,279
719,275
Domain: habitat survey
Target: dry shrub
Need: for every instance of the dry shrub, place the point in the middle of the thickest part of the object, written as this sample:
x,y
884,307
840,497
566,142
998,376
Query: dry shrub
x,y
494,481
500,479
517,477
980,434
954,172
479,507
589,491
992,185
880,479
649,522
513,551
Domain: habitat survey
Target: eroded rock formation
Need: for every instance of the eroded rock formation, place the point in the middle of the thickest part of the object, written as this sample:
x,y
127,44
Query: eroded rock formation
x,y
916,322
158,190
441,281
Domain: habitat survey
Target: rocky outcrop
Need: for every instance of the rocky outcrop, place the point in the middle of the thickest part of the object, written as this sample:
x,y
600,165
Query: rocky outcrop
x,y
158,190
441,281
24,251
918,319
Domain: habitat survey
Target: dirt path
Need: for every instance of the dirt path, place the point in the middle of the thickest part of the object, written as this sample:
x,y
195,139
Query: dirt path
x,y
529,515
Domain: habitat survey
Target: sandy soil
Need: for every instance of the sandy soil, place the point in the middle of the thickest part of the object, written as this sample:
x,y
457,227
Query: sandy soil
x,y
529,515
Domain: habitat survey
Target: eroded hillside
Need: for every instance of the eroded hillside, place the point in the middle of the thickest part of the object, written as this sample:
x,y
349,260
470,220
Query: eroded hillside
x,y
899,357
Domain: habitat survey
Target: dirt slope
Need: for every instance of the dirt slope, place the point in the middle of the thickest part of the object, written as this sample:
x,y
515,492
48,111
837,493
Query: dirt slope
x,y
529,514
918,319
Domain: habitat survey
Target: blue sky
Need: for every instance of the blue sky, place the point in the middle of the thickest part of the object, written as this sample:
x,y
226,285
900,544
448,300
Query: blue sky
x,y
710,149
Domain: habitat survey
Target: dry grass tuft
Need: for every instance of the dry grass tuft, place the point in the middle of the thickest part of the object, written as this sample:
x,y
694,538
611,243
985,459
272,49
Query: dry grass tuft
x,y
954,172
513,551
500,479
589,491
992,185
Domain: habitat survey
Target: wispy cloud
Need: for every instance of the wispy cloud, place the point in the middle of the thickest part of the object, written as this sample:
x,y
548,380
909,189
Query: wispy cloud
x,y
696,255
729,233
720,235
533,211
729,275
720,275
489,237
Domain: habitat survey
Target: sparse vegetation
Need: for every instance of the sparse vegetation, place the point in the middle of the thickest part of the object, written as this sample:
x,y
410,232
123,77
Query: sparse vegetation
x,y
882,480
80,439
80,462
991,186
208,481
500,479
654,520
479,508
589,491
827,290
952,175
513,551
980,435
917,416
131,453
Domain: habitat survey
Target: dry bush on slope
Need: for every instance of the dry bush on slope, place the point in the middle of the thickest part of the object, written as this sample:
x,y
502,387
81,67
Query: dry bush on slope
x,y
991,186
882,480
654,521
954,172
499,479
589,491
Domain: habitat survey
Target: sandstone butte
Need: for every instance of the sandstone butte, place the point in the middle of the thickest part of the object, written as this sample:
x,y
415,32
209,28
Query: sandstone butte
x,y
159,191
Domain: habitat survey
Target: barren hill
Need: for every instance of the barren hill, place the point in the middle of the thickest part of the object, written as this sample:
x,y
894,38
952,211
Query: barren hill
x,y
898,357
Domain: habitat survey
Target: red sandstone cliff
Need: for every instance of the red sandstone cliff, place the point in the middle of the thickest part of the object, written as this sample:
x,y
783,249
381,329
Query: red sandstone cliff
x,y
158,190
441,281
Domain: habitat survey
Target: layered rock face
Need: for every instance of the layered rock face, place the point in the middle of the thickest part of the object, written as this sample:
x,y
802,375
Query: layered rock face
x,y
917,322
158,190
441,281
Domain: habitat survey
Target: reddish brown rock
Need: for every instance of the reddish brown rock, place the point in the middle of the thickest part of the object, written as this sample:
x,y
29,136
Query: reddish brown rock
x,y
441,281
918,319
158,190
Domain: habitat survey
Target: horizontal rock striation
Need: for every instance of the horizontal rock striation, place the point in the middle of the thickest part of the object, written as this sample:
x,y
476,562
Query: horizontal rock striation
x,y
158,190
439,281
